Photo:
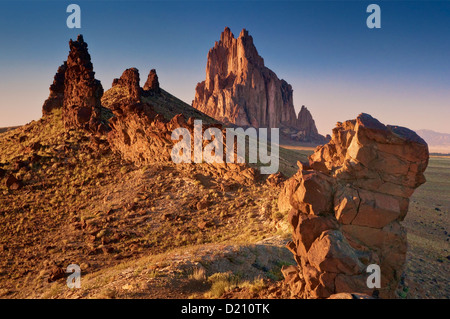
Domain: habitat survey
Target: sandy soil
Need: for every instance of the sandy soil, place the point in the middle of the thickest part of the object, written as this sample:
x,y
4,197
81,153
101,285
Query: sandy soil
x,y
428,220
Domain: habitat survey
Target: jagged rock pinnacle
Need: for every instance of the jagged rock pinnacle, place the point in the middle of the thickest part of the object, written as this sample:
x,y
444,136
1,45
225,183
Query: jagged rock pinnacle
x,y
239,89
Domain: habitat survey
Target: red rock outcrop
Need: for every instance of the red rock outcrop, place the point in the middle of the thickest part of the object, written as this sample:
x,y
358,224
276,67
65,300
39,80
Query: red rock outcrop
x,y
307,130
151,86
346,206
143,136
129,81
13,183
56,98
306,122
82,92
239,89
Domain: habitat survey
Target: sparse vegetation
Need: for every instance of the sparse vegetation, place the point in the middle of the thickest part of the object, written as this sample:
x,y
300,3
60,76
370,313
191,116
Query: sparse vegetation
x,y
222,282
89,207
198,274
79,204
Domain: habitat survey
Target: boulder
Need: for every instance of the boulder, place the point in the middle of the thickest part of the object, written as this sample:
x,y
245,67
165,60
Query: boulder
x,y
56,273
13,183
346,207
331,252
293,279
276,179
346,295
307,228
314,193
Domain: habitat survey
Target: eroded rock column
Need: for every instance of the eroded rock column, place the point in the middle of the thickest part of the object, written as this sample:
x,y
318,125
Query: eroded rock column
x,y
56,98
346,206
82,92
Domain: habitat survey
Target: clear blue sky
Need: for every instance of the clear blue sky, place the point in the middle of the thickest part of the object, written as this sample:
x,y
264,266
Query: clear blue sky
x,y
337,67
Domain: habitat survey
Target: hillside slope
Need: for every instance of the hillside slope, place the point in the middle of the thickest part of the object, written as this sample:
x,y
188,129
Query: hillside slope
x,y
77,202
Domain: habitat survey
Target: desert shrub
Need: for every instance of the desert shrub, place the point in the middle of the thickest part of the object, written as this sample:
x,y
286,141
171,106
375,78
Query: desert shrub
x,y
222,282
198,274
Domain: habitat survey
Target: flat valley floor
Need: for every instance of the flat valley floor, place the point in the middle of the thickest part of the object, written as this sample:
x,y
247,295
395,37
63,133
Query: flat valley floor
x,y
428,259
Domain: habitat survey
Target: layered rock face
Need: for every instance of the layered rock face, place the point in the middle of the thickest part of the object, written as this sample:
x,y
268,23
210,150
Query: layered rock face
x,y
129,81
346,206
82,92
239,89
56,98
143,136
151,86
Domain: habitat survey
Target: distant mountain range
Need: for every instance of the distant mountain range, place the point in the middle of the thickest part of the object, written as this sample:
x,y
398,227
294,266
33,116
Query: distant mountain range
x,y
437,142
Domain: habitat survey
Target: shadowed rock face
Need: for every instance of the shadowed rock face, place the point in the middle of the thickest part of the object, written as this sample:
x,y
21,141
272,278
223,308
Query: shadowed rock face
x,y
151,86
239,89
82,92
306,122
307,128
345,208
56,98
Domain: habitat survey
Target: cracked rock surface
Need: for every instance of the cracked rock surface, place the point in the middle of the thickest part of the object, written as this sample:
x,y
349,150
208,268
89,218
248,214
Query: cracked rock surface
x,y
346,205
